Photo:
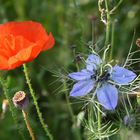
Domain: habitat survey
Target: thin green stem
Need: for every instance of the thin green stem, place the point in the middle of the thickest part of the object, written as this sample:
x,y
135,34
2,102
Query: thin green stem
x,y
76,130
68,103
99,120
112,40
129,102
107,24
111,11
77,66
11,106
125,106
36,103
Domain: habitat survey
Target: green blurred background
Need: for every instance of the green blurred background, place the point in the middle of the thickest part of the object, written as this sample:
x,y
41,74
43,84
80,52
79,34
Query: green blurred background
x,y
71,24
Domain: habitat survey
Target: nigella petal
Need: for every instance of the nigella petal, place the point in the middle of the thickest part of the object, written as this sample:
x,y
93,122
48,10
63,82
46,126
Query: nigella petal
x,y
122,76
107,95
82,88
93,61
82,75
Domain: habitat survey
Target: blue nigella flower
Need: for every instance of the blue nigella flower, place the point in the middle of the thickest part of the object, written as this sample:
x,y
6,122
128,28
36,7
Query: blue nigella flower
x,y
88,79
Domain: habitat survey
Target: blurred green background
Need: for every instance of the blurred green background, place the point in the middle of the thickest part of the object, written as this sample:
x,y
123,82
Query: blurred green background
x,y
70,21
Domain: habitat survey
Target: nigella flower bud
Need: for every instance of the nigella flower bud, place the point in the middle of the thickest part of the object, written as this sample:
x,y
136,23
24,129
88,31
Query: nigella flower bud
x,y
78,57
5,104
129,121
20,100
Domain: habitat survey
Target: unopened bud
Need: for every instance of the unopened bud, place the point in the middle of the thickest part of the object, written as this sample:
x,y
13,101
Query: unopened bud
x,y
78,57
5,104
129,121
20,100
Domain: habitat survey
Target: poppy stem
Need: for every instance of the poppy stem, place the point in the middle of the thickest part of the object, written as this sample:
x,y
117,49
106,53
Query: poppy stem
x,y
28,125
4,84
36,103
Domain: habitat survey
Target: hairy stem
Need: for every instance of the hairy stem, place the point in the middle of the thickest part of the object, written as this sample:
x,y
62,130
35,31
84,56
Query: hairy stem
x,y
36,103
11,106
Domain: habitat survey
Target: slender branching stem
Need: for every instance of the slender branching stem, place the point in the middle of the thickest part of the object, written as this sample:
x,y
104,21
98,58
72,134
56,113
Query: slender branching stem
x,y
107,23
28,125
111,11
112,40
68,102
36,103
99,119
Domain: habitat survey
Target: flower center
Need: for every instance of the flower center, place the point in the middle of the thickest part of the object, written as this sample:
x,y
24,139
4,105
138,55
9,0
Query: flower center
x,y
104,77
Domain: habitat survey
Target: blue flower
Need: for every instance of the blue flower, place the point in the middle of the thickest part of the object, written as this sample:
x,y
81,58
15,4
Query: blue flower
x,y
88,79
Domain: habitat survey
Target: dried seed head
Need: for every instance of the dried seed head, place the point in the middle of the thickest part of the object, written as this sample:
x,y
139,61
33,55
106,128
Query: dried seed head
x,y
20,100
5,104
138,42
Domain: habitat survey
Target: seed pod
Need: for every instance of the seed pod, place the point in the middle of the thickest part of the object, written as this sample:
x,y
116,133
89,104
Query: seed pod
x,y
20,100
138,42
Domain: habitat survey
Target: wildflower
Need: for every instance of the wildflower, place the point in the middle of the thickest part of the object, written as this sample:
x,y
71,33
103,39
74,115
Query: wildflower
x,y
91,78
21,42
20,100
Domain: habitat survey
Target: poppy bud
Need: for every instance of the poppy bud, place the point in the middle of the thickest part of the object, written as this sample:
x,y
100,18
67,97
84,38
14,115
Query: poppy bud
x,y
5,104
20,100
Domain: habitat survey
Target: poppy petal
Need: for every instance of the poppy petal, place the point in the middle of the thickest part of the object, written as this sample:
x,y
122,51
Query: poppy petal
x,y
49,43
21,42
107,95
122,76
82,88
32,31
3,63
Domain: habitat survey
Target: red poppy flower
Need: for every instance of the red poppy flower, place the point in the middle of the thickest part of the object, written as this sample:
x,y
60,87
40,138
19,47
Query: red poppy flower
x,y
21,42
